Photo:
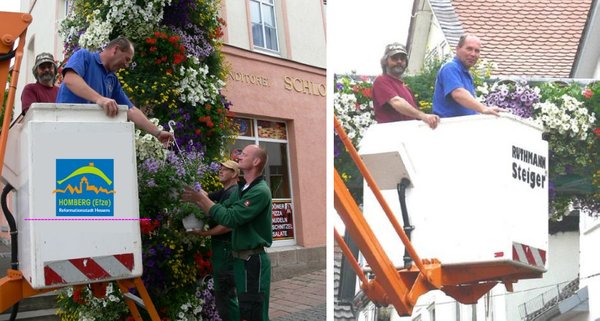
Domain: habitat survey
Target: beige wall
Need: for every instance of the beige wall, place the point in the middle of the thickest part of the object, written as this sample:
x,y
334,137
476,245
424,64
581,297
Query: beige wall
x,y
307,31
304,110
236,16
300,28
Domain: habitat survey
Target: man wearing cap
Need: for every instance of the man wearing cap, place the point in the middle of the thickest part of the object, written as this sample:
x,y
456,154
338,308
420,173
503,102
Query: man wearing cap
x,y
392,99
222,260
89,78
43,90
248,213
454,93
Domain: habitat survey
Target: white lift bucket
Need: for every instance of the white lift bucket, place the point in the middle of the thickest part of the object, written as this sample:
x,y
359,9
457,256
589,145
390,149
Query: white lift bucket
x,y
478,189
74,172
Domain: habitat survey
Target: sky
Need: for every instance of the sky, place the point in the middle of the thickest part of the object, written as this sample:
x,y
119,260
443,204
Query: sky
x,y
10,5
359,30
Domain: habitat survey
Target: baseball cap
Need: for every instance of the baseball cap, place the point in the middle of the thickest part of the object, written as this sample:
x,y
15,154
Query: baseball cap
x,y
394,48
231,165
43,58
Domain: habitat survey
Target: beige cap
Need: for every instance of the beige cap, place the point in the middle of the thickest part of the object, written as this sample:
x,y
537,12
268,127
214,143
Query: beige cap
x,y
232,165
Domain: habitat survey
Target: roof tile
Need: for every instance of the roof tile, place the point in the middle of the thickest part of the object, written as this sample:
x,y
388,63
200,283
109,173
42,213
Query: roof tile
x,y
524,37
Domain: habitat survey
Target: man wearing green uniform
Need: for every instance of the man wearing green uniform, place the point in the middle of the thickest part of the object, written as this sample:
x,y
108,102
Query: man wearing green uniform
x,y
248,213
222,260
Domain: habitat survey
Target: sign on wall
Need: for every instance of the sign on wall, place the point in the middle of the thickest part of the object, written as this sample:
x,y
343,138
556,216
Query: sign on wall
x,y
283,221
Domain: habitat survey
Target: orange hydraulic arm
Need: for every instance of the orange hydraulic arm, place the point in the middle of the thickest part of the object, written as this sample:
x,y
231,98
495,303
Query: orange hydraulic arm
x,y
13,26
464,282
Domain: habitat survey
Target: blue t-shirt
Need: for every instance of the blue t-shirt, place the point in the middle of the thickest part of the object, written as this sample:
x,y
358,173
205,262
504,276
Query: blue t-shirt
x,y
89,66
451,76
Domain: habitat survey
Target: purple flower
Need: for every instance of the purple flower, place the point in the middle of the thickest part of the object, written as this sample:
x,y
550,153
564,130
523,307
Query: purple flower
x,y
150,165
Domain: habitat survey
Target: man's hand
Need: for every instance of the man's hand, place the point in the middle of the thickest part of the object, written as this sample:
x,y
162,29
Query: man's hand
x,y
431,120
165,137
189,194
200,232
109,105
493,111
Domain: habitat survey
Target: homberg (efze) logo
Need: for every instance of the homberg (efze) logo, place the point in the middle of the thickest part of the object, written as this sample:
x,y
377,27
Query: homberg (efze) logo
x,y
84,187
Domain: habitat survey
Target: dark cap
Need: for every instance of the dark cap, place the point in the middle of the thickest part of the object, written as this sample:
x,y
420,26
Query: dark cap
x,y
44,57
393,49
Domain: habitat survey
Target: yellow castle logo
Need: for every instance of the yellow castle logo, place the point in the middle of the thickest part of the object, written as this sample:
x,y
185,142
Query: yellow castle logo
x,y
90,170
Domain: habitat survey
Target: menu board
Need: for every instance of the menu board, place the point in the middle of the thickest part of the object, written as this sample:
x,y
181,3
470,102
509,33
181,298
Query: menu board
x,y
283,220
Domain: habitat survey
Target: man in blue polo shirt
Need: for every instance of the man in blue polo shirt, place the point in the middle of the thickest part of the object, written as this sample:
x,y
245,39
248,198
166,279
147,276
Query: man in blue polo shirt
x,y
89,78
454,93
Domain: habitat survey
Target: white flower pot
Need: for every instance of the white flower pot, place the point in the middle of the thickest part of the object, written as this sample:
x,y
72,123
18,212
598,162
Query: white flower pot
x,y
191,222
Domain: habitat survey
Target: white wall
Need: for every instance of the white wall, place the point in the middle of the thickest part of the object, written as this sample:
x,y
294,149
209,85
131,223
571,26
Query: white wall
x,y
590,262
563,266
41,37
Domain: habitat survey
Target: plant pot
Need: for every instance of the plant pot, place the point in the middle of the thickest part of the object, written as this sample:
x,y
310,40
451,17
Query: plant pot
x,y
191,222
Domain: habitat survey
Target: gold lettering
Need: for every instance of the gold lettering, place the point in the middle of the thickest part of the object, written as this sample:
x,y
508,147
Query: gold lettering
x,y
249,78
324,91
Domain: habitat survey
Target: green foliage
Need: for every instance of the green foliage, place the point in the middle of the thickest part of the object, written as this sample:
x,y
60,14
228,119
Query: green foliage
x,y
423,83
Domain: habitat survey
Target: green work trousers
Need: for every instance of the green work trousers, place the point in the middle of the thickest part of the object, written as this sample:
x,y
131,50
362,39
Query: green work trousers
x,y
225,294
253,284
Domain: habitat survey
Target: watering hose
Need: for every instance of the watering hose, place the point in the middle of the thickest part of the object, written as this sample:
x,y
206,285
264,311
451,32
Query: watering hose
x,y
404,183
14,248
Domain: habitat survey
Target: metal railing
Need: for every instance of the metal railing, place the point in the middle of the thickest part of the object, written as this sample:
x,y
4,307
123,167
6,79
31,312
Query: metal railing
x,y
531,309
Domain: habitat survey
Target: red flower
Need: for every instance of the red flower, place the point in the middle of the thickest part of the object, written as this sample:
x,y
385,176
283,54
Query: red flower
x,y
597,131
77,296
587,93
366,92
178,58
173,39
147,226
153,49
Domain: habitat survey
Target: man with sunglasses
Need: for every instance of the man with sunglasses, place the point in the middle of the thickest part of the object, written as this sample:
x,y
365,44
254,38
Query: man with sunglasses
x,y
43,90
392,99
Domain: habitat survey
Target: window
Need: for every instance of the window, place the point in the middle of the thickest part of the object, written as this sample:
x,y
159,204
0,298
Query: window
x,y
431,309
272,136
264,26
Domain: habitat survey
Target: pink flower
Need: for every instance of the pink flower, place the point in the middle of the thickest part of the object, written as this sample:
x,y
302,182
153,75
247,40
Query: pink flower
x,y
587,93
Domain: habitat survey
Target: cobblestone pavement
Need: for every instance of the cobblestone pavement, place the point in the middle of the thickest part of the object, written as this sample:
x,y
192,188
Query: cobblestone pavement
x,y
301,298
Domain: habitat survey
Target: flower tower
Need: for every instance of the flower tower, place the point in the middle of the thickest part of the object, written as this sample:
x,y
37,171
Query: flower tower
x,y
177,74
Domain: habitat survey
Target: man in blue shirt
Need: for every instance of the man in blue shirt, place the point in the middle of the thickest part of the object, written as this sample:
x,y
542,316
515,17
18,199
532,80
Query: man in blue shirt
x,y
454,93
89,78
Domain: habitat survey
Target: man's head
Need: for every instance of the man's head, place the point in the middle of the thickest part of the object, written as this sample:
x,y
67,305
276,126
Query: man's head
x,y
44,69
252,157
229,172
118,54
468,49
394,60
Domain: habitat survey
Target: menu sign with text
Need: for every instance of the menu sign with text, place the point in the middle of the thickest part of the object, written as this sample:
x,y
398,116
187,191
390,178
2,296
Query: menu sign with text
x,y
283,221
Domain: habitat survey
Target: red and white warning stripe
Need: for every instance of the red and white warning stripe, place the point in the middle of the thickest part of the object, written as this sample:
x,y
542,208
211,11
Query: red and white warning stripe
x,y
88,269
528,255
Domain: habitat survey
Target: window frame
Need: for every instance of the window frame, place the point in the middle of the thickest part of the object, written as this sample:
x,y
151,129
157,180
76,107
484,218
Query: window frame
x,y
261,4
256,139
